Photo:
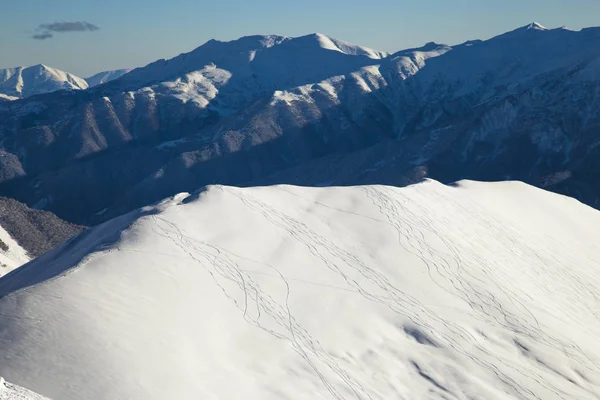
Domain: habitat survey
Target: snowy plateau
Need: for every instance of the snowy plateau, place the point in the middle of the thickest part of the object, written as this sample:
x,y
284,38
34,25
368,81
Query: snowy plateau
x,y
431,291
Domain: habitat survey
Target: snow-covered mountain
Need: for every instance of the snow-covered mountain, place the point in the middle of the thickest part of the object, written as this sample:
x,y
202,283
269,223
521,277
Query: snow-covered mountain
x,y
269,61
106,76
476,290
523,105
224,77
21,82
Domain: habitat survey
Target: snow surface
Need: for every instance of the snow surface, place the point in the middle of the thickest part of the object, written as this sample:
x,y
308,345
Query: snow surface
x,y
14,257
14,392
199,86
473,291
330,43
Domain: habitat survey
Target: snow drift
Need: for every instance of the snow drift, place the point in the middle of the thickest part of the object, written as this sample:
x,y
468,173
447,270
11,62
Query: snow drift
x,y
477,290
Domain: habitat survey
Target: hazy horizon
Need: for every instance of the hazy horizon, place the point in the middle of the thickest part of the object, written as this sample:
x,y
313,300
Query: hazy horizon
x,y
87,38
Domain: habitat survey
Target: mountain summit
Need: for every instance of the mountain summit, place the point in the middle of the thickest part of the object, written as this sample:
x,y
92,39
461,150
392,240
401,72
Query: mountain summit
x,y
269,61
536,27
23,82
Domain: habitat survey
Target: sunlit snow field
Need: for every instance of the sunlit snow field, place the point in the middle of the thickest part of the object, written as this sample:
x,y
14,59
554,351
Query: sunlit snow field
x,y
471,291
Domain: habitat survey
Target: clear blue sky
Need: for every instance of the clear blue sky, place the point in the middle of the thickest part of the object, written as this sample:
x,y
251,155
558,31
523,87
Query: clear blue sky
x,y
135,32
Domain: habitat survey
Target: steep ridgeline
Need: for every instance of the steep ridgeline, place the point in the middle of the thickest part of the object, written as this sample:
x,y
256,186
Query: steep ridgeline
x,y
314,111
472,291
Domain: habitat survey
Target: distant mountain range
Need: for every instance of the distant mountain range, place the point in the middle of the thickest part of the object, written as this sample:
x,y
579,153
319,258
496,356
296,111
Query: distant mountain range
x,y
22,82
315,111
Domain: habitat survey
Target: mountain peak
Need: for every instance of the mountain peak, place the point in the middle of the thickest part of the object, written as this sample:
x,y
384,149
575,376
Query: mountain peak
x,y
260,50
328,43
252,42
524,30
534,26
21,82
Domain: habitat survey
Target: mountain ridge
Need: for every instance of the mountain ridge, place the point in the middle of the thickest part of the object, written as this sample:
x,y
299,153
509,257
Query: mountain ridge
x,y
244,111
357,292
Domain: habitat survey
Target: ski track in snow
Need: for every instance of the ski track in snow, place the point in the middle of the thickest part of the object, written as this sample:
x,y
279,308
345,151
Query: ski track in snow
x,y
511,345
440,270
443,267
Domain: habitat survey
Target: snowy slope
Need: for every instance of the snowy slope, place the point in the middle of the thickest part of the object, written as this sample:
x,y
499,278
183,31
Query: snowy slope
x,y
474,291
23,82
105,76
12,255
14,392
